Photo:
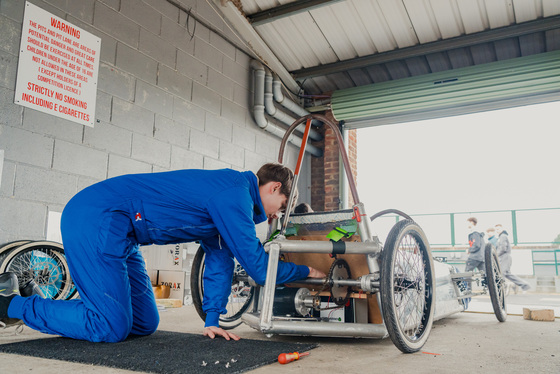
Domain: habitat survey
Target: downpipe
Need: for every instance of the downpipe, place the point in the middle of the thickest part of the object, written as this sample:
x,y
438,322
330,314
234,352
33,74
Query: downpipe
x,y
259,111
276,91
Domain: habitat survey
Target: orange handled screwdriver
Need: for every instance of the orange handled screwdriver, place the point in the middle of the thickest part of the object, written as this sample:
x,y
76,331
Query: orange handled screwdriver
x,y
285,358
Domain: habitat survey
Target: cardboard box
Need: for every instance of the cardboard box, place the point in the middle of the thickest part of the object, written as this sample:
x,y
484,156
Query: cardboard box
x,y
164,257
174,279
164,262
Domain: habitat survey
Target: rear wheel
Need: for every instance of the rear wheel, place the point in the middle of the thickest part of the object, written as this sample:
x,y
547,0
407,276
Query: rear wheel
x,y
407,286
239,300
496,283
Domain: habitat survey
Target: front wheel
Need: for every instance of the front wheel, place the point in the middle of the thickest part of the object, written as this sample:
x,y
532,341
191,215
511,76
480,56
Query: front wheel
x,y
239,300
407,286
496,283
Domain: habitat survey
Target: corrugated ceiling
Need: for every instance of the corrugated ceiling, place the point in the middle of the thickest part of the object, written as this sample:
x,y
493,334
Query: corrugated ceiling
x,y
329,45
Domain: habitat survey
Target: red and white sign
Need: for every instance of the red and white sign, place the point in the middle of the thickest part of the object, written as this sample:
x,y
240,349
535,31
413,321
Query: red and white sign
x,y
58,67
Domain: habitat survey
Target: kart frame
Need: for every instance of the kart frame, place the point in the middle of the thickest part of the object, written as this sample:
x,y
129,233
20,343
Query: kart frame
x,y
402,275
407,338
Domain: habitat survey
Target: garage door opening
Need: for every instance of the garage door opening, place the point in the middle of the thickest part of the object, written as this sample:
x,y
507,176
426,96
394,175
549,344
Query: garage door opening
x,y
497,160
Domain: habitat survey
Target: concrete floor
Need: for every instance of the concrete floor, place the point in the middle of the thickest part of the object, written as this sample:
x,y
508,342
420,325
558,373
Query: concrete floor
x,y
463,343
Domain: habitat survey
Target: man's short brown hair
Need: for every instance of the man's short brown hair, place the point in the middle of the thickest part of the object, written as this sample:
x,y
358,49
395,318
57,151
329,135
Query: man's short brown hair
x,y
473,220
275,172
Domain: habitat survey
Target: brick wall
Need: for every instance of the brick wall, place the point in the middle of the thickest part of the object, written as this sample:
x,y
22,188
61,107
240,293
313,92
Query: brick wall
x,y
166,100
325,171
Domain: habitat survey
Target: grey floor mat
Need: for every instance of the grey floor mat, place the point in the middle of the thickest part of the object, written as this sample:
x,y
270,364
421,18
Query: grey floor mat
x,y
162,352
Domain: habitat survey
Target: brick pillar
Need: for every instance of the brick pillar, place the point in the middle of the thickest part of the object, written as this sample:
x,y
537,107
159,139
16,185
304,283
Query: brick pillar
x,y
325,171
317,176
353,159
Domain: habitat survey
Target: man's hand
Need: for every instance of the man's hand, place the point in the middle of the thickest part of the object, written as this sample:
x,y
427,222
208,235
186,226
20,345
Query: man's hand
x,y
213,331
314,273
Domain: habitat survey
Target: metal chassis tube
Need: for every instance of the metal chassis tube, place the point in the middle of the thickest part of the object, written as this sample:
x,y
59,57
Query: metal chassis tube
x,y
469,276
266,323
370,246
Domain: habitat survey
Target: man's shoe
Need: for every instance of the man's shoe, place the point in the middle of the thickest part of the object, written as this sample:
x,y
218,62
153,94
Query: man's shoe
x,y
9,284
8,290
30,289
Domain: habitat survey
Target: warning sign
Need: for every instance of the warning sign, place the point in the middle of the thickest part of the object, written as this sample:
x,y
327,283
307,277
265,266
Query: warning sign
x,y
58,67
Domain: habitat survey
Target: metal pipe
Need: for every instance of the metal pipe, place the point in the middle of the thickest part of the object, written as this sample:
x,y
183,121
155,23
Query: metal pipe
x,y
309,328
364,223
343,181
467,275
291,201
285,102
269,106
259,110
291,105
279,115
317,246
270,286
336,282
253,41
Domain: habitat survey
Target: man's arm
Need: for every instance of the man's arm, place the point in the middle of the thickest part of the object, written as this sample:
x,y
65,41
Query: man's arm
x,y
218,272
233,218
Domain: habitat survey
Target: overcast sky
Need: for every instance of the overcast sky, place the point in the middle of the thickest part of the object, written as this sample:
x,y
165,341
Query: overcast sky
x,y
499,160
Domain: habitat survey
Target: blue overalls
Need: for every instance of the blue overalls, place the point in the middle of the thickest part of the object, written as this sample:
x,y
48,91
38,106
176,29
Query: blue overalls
x,y
103,226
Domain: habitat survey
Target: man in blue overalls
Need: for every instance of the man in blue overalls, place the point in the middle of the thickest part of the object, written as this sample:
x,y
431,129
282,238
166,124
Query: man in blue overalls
x,y
103,226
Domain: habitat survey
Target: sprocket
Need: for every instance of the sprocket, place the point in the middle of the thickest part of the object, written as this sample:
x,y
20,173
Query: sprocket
x,y
339,270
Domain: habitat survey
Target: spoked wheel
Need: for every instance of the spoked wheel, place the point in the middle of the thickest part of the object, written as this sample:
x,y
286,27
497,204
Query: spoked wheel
x,y
407,286
495,282
239,300
43,262
6,248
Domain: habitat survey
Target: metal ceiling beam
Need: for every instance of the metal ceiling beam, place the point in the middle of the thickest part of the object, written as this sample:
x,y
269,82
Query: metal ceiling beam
x,y
286,10
253,40
540,25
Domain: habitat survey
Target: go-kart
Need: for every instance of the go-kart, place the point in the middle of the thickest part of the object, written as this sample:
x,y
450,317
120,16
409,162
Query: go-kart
x,y
372,289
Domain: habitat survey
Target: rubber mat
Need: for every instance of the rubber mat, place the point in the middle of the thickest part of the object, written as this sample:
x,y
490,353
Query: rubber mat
x,y
162,352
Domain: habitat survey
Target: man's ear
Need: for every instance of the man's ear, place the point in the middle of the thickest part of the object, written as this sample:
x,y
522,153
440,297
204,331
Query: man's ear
x,y
275,186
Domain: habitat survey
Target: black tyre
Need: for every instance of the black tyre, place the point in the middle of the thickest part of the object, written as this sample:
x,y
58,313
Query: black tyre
x,y
45,263
495,282
388,211
239,300
6,248
407,286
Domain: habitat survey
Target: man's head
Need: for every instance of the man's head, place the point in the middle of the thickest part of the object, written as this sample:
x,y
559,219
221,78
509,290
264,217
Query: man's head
x,y
275,186
303,208
490,232
499,228
471,222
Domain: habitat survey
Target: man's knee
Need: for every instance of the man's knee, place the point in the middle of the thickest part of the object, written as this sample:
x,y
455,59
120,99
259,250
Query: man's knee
x,y
147,326
152,326
155,324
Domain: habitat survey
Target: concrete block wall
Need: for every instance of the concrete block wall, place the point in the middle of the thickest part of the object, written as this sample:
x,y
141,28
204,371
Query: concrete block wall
x,y
172,93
